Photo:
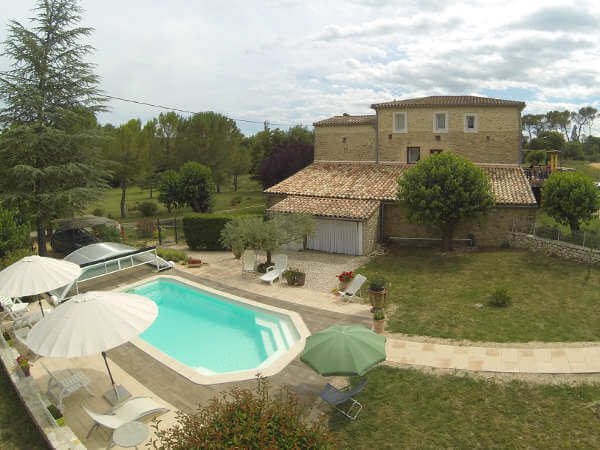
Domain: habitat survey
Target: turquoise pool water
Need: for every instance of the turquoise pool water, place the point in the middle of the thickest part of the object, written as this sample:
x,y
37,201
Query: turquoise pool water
x,y
213,334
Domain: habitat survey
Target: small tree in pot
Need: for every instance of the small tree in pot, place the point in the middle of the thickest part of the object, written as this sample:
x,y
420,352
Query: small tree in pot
x,y
377,292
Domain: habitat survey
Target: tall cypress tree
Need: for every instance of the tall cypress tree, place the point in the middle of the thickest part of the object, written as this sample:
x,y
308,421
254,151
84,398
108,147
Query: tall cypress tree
x,y
50,163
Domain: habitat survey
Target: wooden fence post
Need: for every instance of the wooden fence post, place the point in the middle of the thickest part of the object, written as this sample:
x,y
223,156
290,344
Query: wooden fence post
x,y
158,228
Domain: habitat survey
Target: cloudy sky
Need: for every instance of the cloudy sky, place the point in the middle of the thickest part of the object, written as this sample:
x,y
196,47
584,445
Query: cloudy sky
x,y
298,61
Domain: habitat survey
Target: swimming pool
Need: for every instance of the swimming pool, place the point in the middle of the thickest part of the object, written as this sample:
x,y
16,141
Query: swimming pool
x,y
214,334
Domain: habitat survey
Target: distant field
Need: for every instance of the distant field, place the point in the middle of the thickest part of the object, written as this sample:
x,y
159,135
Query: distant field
x,y
592,170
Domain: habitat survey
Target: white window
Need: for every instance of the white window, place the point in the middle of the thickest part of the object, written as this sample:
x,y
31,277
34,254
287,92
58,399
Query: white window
x,y
471,124
413,154
400,125
440,122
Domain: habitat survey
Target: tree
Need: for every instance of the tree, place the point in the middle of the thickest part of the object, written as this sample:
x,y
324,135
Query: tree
x,y
573,150
270,235
570,198
536,158
13,234
166,131
547,140
443,190
234,234
533,124
287,159
559,120
128,152
209,139
240,164
49,160
169,188
197,188
583,118
241,418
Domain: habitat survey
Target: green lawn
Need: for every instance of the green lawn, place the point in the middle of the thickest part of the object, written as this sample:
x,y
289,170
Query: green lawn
x,y
446,295
409,409
248,199
17,431
582,166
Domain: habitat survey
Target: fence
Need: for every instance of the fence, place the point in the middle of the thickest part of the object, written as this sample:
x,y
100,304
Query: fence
x,y
148,232
583,238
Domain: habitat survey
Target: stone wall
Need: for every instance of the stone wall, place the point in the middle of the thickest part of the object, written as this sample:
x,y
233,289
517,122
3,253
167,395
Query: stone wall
x,y
497,139
550,247
370,232
490,231
345,143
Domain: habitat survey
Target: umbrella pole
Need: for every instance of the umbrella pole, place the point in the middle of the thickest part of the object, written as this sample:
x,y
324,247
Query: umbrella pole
x,y
41,307
112,381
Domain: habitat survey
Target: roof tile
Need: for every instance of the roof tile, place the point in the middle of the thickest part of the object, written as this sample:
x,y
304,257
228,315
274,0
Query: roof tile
x,y
447,100
346,120
327,207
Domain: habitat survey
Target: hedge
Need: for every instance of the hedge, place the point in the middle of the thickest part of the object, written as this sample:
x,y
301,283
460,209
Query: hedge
x,y
202,231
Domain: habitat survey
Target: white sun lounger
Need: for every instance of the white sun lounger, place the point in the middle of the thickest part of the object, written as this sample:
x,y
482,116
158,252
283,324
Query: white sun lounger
x,y
249,261
277,270
63,383
353,287
133,409
13,308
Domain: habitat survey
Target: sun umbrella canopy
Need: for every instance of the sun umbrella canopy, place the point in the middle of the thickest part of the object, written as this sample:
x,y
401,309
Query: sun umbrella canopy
x,y
34,275
91,323
343,350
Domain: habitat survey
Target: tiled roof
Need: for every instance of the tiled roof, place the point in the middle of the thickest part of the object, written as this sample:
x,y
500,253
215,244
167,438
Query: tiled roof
x,y
447,100
369,181
346,119
343,180
509,185
327,207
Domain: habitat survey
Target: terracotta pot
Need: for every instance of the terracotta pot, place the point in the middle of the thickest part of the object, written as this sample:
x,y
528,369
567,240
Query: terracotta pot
x,y
343,285
377,298
378,326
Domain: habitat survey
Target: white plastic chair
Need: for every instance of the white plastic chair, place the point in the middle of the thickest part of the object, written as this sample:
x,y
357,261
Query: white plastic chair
x,y
277,270
13,307
353,288
133,409
63,383
249,262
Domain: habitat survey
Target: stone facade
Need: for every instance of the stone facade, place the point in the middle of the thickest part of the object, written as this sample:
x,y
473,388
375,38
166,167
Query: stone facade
x,y
550,247
370,232
496,141
345,143
490,231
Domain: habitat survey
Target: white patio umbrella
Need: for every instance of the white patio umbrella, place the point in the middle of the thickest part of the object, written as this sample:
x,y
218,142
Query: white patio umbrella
x,y
93,323
33,275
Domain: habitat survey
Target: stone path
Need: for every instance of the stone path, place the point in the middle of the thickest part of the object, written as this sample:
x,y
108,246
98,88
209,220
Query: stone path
x,y
557,360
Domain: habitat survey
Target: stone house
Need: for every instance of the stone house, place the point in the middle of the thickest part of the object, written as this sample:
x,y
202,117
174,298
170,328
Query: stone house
x,y
351,187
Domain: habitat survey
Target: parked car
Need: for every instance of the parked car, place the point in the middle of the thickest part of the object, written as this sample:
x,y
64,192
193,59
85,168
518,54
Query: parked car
x,y
66,241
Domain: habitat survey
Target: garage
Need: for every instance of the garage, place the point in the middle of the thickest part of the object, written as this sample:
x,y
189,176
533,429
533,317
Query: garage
x,y
337,236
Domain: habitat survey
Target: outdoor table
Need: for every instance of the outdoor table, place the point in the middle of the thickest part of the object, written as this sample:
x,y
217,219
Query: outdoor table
x,y
130,434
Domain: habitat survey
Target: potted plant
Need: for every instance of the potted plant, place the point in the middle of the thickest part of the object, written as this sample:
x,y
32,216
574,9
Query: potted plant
x,y
7,337
191,262
377,292
294,277
23,363
345,278
378,321
57,415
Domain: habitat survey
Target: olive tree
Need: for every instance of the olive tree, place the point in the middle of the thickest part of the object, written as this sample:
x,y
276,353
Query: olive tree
x,y
570,198
443,190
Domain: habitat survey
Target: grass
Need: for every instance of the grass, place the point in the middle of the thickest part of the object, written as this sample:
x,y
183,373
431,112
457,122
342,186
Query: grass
x,y
410,409
251,200
17,431
582,166
446,295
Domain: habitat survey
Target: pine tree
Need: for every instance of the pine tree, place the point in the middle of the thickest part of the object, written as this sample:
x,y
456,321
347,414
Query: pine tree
x,y
49,159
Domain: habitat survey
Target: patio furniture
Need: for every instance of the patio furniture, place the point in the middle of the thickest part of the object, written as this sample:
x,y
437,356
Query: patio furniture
x,y
25,318
12,308
63,383
132,410
249,262
353,288
336,397
277,270
130,434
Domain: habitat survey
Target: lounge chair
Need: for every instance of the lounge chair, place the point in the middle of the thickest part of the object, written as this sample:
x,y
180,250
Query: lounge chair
x,y
63,383
335,397
277,270
133,409
24,318
249,261
14,306
353,288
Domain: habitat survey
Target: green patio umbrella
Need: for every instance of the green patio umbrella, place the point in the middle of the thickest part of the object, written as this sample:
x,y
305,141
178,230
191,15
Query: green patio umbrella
x,y
343,350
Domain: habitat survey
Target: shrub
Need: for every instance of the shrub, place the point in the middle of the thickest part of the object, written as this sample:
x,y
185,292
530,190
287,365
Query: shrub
x,y
148,208
536,158
171,254
14,256
203,231
379,314
377,284
234,234
500,298
98,212
294,277
13,236
107,233
235,201
145,228
241,418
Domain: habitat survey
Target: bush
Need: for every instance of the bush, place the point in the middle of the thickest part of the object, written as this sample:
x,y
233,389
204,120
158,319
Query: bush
x,y
294,277
107,233
235,201
241,418
145,228
377,284
379,314
148,208
171,255
13,236
197,188
203,231
500,298
536,158
98,212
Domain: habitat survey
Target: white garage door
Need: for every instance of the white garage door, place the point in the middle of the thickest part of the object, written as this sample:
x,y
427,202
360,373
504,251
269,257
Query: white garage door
x,y
337,236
